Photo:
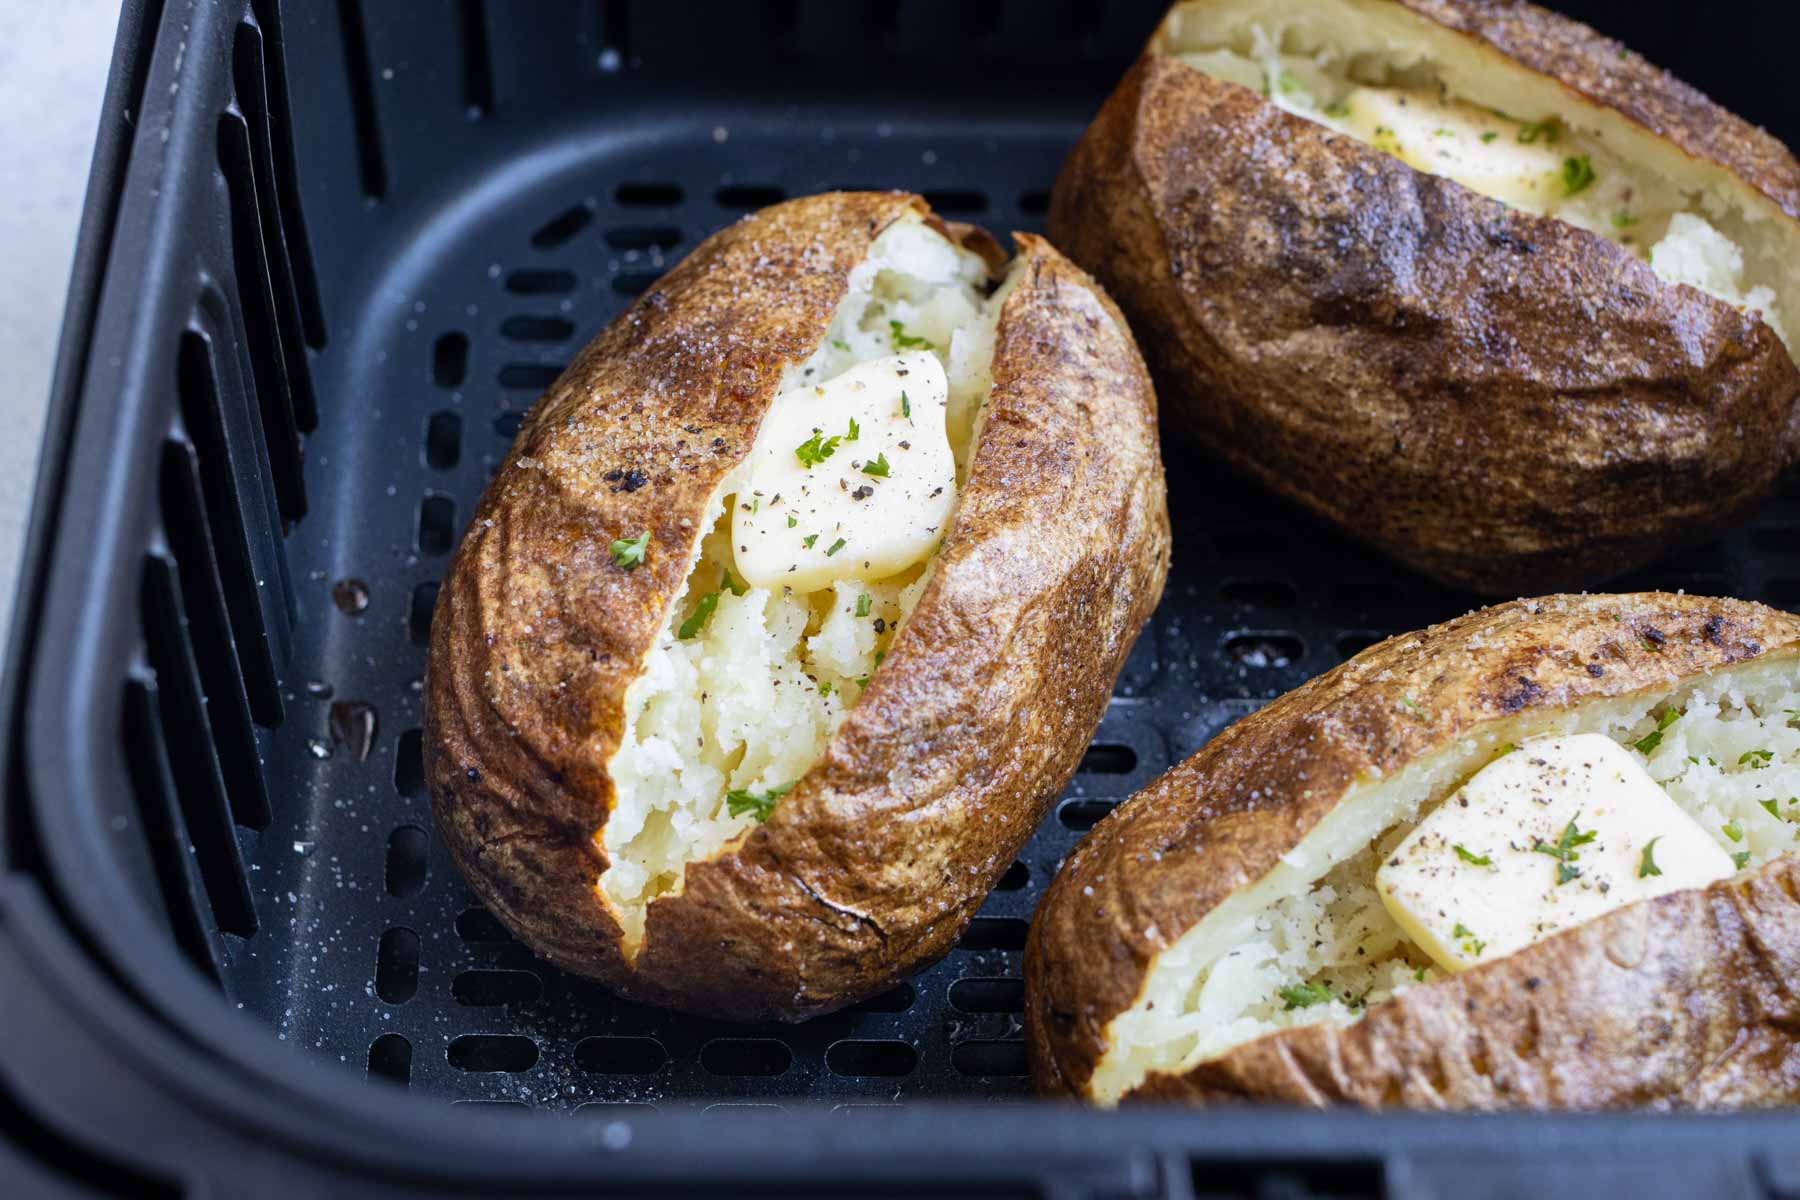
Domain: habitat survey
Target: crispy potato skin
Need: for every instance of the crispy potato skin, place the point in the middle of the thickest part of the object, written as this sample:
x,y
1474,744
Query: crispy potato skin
x,y
1684,1000
883,851
1394,352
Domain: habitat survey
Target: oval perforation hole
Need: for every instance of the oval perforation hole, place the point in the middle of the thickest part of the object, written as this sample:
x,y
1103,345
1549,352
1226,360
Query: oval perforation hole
x,y
419,610
883,1058
1259,593
1017,878
745,1056
990,1058
643,237
994,933
749,195
507,423
488,989
530,281
480,925
493,1052
535,327
1108,758
957,200
409,764
443,440
633,283
1082,815
406,861
437,524
1264,651
988,995
563,226
1351,644
450,359
534,377
397,965
620,1055
390,1058
894,1000
648,195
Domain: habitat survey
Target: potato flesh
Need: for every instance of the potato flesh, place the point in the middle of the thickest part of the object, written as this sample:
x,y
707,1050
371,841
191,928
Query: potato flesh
x,y
747,703
1315,925
1408,87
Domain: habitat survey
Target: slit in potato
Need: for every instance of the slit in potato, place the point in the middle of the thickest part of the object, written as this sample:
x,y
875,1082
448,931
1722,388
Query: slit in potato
x,y
1311,941
746,684
1449,105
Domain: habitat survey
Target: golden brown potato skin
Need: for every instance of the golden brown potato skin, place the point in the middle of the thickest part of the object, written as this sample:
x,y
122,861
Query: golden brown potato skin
x,y
1499,400
1686,1000
883,851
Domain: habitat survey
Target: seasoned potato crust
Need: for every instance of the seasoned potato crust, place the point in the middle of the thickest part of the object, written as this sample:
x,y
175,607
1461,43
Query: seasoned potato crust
x,y
1395,352
1683,1000
989,692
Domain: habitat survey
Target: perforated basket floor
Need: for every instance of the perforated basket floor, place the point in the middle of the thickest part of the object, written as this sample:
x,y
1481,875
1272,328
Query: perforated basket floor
x,y
373,952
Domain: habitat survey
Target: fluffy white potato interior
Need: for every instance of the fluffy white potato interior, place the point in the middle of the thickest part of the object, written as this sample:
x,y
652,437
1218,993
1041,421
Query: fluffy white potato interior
x,y
723,720
1311,941
1444,104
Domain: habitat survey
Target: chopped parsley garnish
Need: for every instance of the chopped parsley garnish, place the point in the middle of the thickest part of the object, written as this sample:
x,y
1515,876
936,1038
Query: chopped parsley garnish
x,y
1337,108
1304,995
702,612
834,547
1710,760
1287,83
863,604
728,584
854,432
792,520
629,553
1411,706
1419,975
825,689
1545,131
758,804
879,467
862,681
816,449
1623,220
1793,716
1653,739
1771,807
1471,945
840,343
1477,860
1564,852
905,341
1507,748
1741,859
1758,759
1733,829
1647,864
905,406
1577,174
1489,136
808,540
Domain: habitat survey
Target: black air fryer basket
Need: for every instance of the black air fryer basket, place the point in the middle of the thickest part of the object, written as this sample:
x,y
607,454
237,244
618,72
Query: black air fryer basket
x,y
331,253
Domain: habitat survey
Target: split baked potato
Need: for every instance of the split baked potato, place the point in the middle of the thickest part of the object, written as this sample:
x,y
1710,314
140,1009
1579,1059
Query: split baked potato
x,y
794,605
1462,277
1543,855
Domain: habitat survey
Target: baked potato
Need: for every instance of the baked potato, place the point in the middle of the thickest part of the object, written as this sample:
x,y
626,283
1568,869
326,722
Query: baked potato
x,y
1462,277
1541,856
793,606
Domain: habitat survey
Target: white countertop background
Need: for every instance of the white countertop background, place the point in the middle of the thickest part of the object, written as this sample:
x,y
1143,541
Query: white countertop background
x,y
54,56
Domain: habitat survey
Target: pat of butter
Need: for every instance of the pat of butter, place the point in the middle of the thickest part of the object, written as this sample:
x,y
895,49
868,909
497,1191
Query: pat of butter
x,y
1529,814
1476,148
852,478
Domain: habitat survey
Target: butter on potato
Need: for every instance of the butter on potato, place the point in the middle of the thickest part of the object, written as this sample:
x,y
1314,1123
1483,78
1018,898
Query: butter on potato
x,y
1547,836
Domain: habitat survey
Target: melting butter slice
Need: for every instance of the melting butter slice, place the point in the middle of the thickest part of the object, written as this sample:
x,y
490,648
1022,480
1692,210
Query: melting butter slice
x,y
1529,815
1481,150
852,478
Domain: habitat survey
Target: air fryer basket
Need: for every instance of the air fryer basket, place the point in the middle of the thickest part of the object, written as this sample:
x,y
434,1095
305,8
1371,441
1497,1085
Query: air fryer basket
x,y
332,255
